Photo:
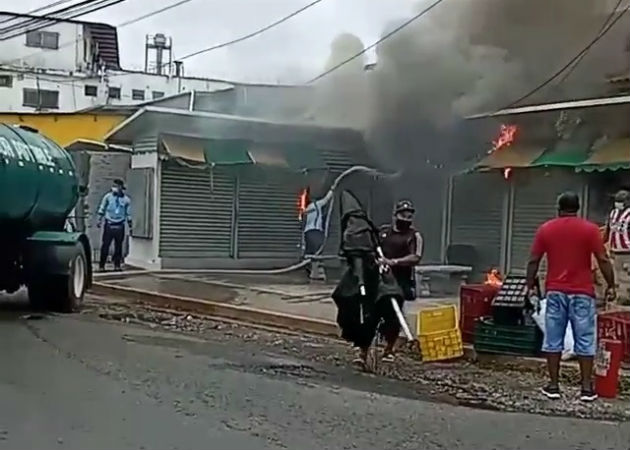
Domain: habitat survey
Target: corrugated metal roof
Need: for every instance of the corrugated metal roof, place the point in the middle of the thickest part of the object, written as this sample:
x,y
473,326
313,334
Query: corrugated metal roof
x,y
157,120
606,101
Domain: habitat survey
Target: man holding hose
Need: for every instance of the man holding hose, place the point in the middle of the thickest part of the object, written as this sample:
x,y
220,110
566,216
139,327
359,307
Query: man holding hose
x,y
315,221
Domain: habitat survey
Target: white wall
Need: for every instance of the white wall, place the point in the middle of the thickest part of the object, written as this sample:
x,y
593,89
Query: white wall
x,y
72,88
145,252
67,57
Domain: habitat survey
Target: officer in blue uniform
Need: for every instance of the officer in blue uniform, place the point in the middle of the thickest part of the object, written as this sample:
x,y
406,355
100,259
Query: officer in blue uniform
x,y
113,214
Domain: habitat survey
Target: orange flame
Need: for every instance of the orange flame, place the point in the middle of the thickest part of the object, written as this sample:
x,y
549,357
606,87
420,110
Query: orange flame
x,y
494,278
302,203
507,135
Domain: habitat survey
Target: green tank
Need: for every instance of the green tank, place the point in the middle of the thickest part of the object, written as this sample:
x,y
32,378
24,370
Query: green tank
x,y
37,180
38,189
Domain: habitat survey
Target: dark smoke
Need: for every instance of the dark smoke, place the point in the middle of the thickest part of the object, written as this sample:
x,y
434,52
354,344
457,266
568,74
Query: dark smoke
x,y
464,57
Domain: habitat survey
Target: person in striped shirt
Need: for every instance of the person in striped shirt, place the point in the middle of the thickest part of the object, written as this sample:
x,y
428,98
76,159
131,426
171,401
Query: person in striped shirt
x,y
618,238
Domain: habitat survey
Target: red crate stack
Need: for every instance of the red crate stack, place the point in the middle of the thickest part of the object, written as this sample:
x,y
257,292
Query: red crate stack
x,y
615,325
475,301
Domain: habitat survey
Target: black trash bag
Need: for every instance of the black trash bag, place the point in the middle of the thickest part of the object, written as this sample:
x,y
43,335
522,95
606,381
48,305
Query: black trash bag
x,y
363,294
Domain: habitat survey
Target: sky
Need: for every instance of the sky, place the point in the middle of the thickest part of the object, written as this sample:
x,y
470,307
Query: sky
x,y
292,52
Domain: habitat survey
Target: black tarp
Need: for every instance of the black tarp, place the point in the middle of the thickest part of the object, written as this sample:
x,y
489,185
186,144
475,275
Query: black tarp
x,y
359,311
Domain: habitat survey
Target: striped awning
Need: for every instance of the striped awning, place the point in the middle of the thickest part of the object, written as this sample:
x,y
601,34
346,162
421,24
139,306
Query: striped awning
x,y
613,155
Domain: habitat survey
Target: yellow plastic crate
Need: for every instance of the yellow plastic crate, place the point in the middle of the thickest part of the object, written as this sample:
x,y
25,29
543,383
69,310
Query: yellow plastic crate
x,y
433,320
441,345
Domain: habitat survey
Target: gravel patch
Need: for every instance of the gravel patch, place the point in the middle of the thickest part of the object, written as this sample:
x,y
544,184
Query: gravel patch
x,y
509,387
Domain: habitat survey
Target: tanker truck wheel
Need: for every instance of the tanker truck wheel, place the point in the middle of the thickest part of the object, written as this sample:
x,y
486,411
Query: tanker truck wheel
x,y
70,289
63,293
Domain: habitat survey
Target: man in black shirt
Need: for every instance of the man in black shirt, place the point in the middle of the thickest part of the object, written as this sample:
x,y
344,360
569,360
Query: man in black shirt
x,y
402,249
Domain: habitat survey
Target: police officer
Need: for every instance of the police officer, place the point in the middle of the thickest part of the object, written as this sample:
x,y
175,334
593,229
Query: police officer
x,y
402,249
115,211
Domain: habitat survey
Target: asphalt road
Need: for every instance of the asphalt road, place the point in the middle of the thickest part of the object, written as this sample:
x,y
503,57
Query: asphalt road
x,y
78,382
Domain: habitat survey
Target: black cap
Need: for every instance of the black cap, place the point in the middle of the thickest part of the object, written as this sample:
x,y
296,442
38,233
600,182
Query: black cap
x,y
404,205
119,182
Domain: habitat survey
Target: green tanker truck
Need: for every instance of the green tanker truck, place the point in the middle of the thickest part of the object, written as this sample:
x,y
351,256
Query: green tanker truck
x,y
38,189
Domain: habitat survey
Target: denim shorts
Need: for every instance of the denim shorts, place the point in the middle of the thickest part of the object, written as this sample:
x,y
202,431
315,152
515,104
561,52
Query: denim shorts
x,y
577,309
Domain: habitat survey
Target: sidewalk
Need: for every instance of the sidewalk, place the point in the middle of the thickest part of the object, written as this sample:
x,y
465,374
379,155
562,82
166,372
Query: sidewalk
x,y
286,295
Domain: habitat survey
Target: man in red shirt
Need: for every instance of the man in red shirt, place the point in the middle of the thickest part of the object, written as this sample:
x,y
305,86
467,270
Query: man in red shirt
x,y
569,242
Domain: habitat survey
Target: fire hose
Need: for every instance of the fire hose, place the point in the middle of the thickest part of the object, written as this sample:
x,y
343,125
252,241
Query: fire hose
x,y
308,260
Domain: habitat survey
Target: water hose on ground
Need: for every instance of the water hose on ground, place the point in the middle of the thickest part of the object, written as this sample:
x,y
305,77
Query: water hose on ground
x,y
282,270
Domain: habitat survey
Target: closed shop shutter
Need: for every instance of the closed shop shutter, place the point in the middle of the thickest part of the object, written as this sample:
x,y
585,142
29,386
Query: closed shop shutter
x,y
195,212
477,216
268,222
535,194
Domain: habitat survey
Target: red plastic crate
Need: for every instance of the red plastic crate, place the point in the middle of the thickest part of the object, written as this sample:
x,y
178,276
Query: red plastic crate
x,y
475,301
615,325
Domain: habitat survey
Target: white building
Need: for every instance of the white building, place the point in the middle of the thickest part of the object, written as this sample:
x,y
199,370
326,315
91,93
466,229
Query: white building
x,y
68,65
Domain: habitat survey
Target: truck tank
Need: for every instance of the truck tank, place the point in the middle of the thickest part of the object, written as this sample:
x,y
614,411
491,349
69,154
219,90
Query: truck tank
x,y
38,183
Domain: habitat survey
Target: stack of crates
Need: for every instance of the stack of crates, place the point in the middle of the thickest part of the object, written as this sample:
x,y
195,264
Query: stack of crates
x,y
439,334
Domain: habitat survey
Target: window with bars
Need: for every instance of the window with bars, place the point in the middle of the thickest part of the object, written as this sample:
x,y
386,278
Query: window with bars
x,y
42,39
157,94
137,94
6,81
90,90
40,98
113,92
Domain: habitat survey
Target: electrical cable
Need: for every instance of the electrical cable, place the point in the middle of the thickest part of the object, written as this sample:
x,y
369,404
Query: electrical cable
x,y
601,30
36,10
88,7
385,37
253,33
58,14
123,24
568,64
152,13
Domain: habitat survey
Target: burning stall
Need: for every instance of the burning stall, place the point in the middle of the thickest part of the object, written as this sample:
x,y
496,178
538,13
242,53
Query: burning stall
x,y
227,191
538,153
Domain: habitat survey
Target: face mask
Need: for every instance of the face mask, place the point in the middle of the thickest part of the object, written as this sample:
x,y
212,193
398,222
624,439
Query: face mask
x,y
619,205
403,225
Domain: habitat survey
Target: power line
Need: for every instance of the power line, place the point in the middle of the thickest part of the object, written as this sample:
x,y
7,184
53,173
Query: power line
x,y
41,8
585,50
252,34
51,16
88,6
601,30
153,13
123,24
385,36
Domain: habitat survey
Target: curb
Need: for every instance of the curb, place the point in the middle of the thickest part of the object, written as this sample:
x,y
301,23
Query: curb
x,y
283,321
220,310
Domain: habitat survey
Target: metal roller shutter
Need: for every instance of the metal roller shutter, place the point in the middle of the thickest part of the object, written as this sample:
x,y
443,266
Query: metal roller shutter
x,y
268,222
535,195
477,216
195,212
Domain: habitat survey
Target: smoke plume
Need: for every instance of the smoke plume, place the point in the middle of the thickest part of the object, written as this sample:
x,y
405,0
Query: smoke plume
x,y
463,57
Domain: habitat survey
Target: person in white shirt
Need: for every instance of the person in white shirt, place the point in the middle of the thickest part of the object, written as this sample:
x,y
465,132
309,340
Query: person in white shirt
x,y
315,222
